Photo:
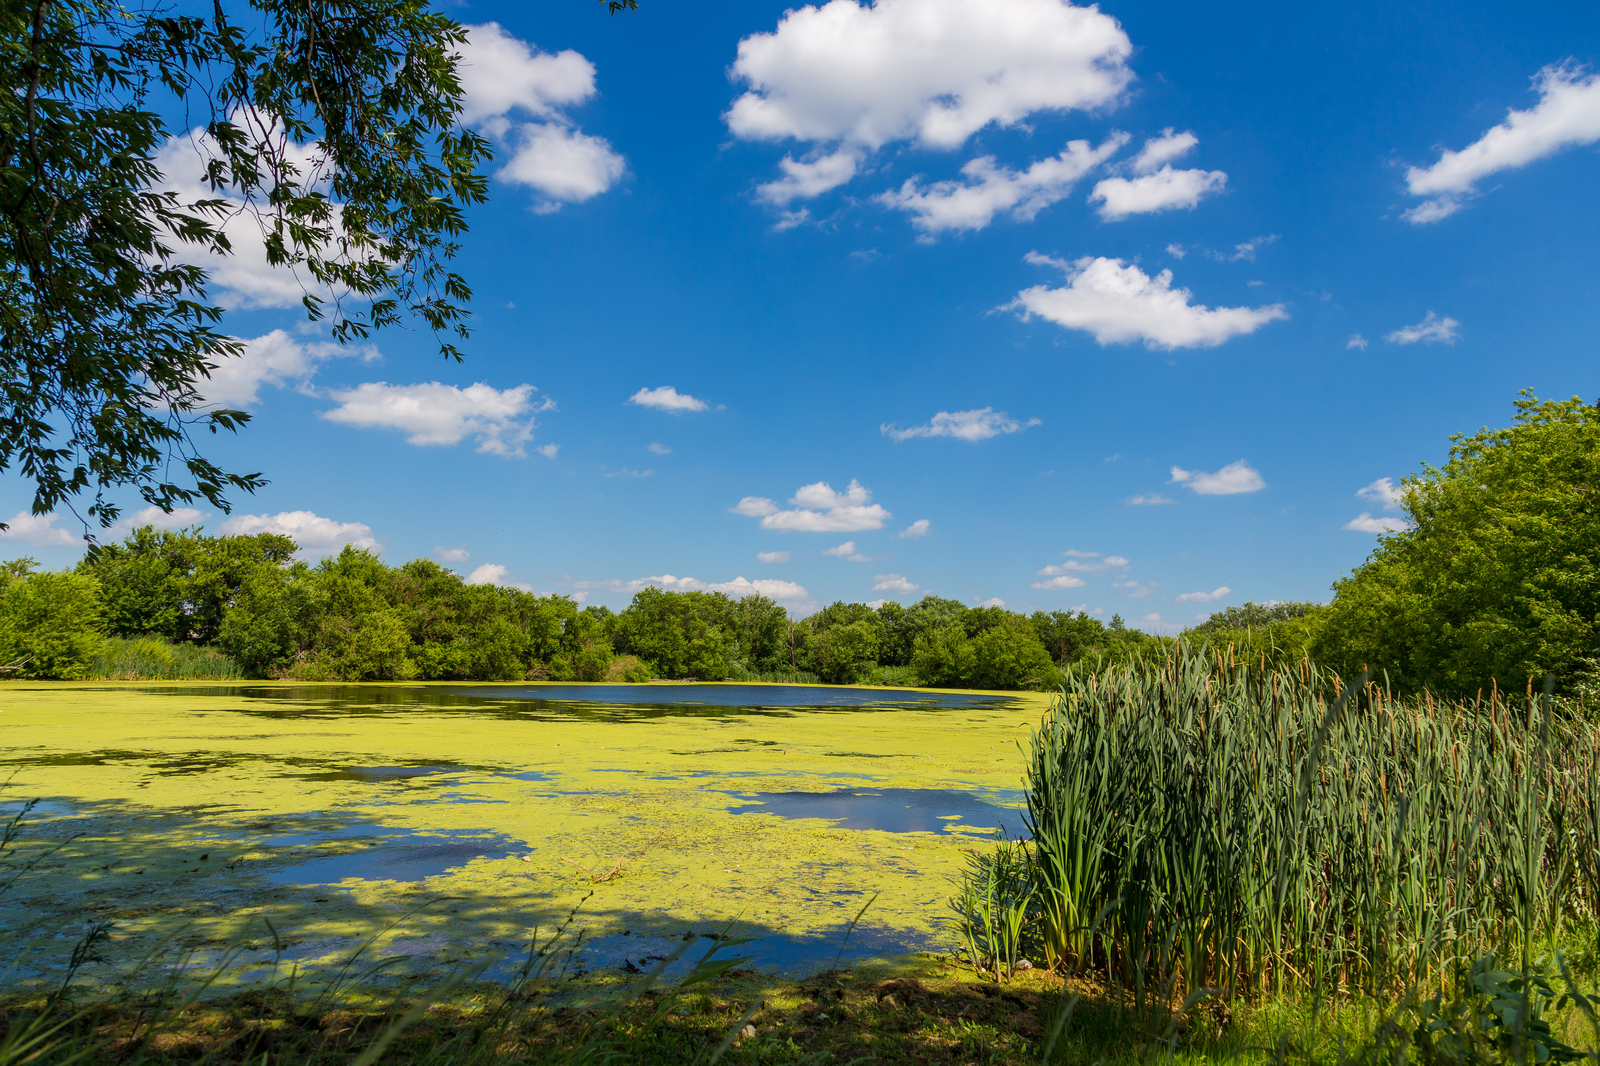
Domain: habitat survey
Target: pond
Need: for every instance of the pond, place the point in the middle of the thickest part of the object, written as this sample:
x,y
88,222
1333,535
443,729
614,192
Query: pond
x,y
439,826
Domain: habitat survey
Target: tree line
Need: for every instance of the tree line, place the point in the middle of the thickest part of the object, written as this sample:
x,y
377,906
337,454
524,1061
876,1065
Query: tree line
x,y
353,617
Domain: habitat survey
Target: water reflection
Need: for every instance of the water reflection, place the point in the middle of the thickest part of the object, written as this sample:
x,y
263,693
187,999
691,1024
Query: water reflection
x,y
890,810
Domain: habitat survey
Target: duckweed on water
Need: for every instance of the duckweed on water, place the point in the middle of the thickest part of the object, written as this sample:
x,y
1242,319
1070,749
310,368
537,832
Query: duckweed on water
x,y
458,818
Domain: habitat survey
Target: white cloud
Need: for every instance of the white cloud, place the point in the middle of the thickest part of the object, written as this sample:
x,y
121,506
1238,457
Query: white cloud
x,y
667,398
1244,252
1356,341
819,509
1365,523
1151,619
457,554
893,583
500,419
803,180
1118,303
847,551
1149,499
548,450
989,189
628,472
1159,151
272,359
313,534
659,449
755,507
785,592
1061,581
1080,563
488,574
1134,589
38,530
501,74
1431,330
1177,251
1382,492
1164,190
1238,476
564,164
992,601
243,279
1568,113
1203,597
915,531
934,70
969,426
773,557
179,518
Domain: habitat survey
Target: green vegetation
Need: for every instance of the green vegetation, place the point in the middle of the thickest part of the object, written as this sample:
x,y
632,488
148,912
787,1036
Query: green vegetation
x,y
245,607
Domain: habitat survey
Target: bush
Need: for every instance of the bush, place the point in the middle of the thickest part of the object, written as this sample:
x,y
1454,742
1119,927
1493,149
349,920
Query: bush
x,y
49,624
154,658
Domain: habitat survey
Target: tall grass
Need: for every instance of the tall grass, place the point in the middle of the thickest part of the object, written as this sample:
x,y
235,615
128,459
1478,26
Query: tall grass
x,y
156,659
1242,827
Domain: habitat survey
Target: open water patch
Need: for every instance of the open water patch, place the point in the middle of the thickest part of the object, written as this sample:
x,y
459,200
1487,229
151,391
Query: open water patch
x,y
889,810
388,855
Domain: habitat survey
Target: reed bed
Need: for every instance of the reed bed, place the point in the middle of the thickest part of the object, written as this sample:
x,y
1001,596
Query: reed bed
x,y
1207,823
157,659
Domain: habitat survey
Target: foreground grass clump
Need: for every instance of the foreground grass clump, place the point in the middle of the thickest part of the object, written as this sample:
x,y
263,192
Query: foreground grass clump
x,y
153,658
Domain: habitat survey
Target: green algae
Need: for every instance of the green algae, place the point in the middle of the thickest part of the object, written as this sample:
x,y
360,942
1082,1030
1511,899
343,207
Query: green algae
x,y
185,814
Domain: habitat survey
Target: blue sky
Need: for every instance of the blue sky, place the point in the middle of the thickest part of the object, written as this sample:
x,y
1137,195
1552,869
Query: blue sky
x,y
758,284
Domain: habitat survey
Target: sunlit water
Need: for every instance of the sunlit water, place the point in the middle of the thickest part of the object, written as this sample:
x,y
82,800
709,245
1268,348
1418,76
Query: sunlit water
x,y
448,823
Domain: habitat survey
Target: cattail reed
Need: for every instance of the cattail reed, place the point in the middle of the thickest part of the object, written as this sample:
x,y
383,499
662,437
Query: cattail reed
x,y
1263,829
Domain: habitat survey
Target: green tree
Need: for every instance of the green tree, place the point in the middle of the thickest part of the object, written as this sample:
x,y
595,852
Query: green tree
x,y
1499,576
1010,656
943,656
845,654
1067,635
49,624
685,634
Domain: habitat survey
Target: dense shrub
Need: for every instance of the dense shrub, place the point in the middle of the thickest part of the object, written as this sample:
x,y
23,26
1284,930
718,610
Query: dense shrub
x,y
49,623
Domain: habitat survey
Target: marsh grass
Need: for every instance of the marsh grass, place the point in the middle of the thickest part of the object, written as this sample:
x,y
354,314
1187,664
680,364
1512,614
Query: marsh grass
x,y
152,658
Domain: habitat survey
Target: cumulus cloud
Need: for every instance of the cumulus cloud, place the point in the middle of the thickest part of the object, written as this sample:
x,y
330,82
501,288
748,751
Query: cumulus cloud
x,y
273,359
1356,341
501,420
502,75
992,601
818,509
38,530
1366,523
659,449
1238,476
804,179
1203,597
1060,581
313,534
1134,589
988,189
1382,492
1177,251
667,398
177,518
848,78
457,554
1079,562
495,574
970,426
1156,186
1165,190
1159,151
894,583
915,531
1149,499
564,164
773,557
786,592
1431,330
1119,303
847,551
1567,114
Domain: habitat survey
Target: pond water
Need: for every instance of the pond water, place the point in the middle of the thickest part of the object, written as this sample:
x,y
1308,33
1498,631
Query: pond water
x,y
443,825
